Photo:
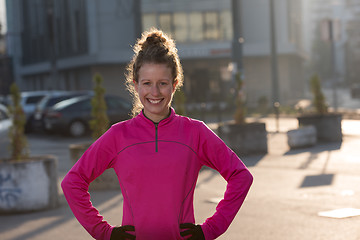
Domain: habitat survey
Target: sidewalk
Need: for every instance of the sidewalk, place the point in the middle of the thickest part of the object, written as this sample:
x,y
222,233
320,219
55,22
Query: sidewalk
x,y
290,189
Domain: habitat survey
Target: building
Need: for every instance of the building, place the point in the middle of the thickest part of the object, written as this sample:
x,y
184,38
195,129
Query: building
x,y
61,46
340,60
352,45
6,77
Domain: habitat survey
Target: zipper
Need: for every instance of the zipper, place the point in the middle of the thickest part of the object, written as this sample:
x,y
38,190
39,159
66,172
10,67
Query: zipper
x,y
156,136
156,129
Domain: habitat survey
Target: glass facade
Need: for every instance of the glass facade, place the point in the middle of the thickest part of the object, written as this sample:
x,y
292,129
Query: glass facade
x,y
46,27
180,27
195,26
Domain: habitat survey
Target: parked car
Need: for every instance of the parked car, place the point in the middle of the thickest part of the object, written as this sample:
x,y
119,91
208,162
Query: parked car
x,y
72,116
5,125
28,103
355,90
49,101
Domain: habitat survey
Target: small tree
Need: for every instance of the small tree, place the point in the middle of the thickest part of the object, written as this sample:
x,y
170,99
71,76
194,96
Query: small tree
x,y
179,101
240,112
318,96
18,142
100,121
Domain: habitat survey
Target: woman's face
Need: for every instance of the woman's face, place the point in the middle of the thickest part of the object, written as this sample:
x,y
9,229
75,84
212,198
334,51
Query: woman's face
x,y
155,88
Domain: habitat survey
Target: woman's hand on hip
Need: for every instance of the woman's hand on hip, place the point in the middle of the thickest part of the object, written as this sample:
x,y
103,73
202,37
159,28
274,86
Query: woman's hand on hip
x,y
194,231
121,233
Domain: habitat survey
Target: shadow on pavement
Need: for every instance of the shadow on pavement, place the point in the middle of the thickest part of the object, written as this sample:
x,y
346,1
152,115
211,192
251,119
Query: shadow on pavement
x,y
54,218
314,153
253,160
317,180
320,147
322,179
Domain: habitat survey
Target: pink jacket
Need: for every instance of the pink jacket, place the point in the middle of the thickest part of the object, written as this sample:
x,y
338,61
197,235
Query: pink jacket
x,y
157,166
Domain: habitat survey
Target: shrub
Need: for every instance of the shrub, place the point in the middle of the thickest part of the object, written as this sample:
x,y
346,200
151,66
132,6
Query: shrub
x,y
100,121
18,142
318,96
240,111
179,102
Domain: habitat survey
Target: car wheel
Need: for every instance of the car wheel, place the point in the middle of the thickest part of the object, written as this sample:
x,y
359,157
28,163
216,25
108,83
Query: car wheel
x,y
77,128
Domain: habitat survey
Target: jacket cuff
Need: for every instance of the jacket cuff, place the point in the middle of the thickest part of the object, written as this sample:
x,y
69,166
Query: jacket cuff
x,y
207,232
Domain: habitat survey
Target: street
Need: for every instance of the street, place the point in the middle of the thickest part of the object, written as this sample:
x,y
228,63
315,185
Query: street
x,y
291,189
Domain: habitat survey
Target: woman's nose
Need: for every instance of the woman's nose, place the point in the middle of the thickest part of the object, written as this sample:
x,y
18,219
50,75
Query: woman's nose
x,y
155,90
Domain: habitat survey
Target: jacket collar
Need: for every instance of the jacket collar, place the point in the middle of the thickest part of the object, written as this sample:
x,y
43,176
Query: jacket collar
x,y
164,121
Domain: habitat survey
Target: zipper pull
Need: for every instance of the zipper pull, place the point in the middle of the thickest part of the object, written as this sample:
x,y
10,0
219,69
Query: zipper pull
x,y
156,137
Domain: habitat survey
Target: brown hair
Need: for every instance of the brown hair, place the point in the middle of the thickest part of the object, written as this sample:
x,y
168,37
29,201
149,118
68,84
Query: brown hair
x,y
154,46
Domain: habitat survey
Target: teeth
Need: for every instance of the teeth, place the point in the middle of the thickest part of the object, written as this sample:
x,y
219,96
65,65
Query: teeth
x,y
154,101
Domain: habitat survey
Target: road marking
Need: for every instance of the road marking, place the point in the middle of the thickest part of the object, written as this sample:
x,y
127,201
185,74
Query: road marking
x,y
340,213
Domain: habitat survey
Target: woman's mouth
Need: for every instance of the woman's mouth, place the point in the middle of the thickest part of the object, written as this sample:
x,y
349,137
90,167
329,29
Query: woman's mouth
x,y
154,101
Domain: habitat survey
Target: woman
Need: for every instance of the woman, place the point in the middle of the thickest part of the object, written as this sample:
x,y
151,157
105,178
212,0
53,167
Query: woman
x,y
157,156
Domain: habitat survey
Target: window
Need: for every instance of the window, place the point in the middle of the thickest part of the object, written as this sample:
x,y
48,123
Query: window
x,y
149,21
3,115
165,22
225,28
83,105
181,27
34,99
192,26
211,25
196,27
117,103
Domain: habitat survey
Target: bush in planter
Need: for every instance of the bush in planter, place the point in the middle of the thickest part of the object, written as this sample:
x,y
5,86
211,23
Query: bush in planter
x,y
240,111
318,96
100,121
328,125
26,183
179,102
98,125
242,137
18,141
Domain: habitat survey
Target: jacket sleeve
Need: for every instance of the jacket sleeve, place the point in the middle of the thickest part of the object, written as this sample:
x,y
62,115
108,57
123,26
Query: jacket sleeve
x,y
97,158
215,154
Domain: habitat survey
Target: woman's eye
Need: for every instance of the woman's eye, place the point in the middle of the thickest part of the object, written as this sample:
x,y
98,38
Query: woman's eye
x,y
163,83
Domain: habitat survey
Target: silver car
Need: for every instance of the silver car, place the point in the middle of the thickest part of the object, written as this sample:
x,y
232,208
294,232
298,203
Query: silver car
x,y
5,125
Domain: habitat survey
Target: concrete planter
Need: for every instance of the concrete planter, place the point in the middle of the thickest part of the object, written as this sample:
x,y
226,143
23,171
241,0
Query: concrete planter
x,y
106,181
302,137
328,126
245,139
28,185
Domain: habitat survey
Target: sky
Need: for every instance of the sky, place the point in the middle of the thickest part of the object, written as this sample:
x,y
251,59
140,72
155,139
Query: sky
x,y
3,15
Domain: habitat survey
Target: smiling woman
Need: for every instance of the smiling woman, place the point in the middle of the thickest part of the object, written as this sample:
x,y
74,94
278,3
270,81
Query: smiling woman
x,y
157,156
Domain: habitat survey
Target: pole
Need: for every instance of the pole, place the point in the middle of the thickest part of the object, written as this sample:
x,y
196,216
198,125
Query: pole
x,y
237,63
334,73
137,18
274,65
52,40
237,37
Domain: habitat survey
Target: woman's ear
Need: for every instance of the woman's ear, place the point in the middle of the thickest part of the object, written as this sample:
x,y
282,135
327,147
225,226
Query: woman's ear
x,y
135,85
174,86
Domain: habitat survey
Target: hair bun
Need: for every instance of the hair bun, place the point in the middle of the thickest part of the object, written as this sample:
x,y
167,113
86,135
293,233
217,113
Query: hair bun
x,y
155,39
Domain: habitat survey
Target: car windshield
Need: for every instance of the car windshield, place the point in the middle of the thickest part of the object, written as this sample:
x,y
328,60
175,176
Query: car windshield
x,y
3,115
34,99
116,103
67,102
55,100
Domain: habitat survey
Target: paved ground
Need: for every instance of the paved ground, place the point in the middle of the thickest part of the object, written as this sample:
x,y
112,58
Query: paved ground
x,y
290,189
